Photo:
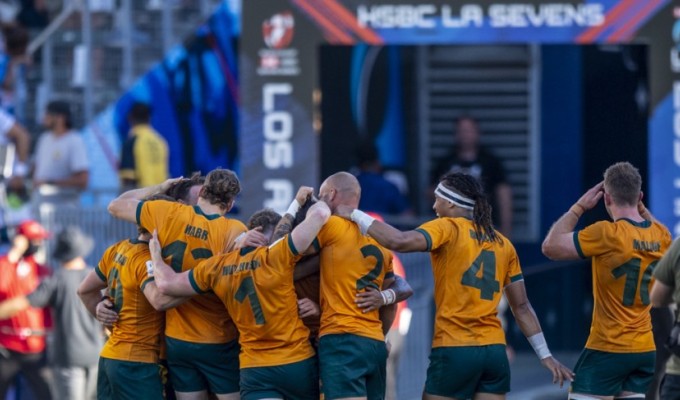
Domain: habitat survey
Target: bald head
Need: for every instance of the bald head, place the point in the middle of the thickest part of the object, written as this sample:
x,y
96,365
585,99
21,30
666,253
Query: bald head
x,y
340,188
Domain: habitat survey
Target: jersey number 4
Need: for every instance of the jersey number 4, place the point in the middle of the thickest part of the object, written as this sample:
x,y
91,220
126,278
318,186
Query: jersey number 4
x,y
487,284
631,269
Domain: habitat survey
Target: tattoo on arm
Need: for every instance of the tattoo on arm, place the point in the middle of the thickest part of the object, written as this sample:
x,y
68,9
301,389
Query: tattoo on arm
x,y
284,227
401,289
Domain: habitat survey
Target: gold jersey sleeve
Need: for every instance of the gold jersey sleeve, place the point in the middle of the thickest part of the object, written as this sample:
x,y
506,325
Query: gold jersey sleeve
x,y
624,254
350,263
136,334
187,237
256,287
470,273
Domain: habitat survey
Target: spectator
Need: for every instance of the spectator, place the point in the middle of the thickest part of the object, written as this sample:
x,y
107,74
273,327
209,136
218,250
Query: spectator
x,y
471,158
34,14
78,336
377,193
144,161
13,62
13,132
22,337
61,164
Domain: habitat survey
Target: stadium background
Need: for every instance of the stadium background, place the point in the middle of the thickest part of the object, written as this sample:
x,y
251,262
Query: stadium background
x,y
557,100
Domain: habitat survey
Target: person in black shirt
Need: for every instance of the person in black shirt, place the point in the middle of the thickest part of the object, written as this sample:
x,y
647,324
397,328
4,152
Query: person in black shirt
x,y
470,157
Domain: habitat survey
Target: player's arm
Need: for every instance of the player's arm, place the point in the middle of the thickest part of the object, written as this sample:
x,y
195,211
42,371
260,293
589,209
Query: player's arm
x,y
661,294
395,289
125,206
644,211
309,265
160,301
285,225
387,315
304,234
90,291
385,234
559,243
528,323
168,282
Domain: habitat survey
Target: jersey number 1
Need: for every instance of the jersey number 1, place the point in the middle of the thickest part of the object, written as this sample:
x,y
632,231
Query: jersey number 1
x,y
632,271
247,290
487,284
176,250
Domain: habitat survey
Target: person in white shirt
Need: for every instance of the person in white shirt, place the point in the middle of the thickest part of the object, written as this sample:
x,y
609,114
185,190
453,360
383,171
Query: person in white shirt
x,y
61,163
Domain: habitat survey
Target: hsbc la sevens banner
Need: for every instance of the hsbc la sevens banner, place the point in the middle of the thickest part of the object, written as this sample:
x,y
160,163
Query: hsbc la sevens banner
x,y
279,71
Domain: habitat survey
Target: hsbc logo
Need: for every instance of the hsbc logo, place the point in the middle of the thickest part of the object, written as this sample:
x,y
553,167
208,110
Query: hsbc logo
x,y
277,31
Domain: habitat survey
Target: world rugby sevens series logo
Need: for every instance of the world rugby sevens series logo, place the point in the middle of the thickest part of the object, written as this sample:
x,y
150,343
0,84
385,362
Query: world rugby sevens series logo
x,y
278,30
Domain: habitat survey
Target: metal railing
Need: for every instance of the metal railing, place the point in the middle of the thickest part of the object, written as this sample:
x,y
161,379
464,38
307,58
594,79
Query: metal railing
x,y
88,56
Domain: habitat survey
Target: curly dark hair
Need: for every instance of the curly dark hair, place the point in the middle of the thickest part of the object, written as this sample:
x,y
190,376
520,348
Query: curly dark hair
x,y
180,189
470,187
221,187
265,218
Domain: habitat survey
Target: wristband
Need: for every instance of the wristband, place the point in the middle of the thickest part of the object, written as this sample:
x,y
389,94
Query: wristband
x,y
362,219
539,345
20,169
577,215
149,268
293,208
582,209
389,297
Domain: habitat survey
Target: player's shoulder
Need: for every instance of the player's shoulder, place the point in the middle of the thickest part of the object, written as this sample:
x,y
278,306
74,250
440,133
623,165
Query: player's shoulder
x,y
336,223
233,223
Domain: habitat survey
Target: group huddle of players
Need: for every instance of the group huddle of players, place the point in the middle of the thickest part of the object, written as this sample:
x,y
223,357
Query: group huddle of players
x,y
292,305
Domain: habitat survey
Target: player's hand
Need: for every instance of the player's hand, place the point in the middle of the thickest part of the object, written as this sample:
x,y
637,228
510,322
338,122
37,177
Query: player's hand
x,y
163,187
155,248
308,308
643,211
303,194
592,196
252,238
105,313
369,300
560,372
344,211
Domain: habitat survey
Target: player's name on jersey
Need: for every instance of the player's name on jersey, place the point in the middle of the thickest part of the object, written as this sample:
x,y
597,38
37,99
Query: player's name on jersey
x,y
196,232
479,236
119,259
642,245
244,266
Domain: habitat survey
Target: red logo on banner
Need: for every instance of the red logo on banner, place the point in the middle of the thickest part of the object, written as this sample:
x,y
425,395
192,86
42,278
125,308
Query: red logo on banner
x,y
270,62
278,30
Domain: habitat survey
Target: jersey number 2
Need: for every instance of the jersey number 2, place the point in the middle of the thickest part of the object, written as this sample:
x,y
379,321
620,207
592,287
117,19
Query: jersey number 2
x,y
632,271
247,289
367,280
487,284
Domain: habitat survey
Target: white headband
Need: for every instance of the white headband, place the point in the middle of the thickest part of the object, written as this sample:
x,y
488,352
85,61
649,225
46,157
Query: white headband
x,y
455,198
